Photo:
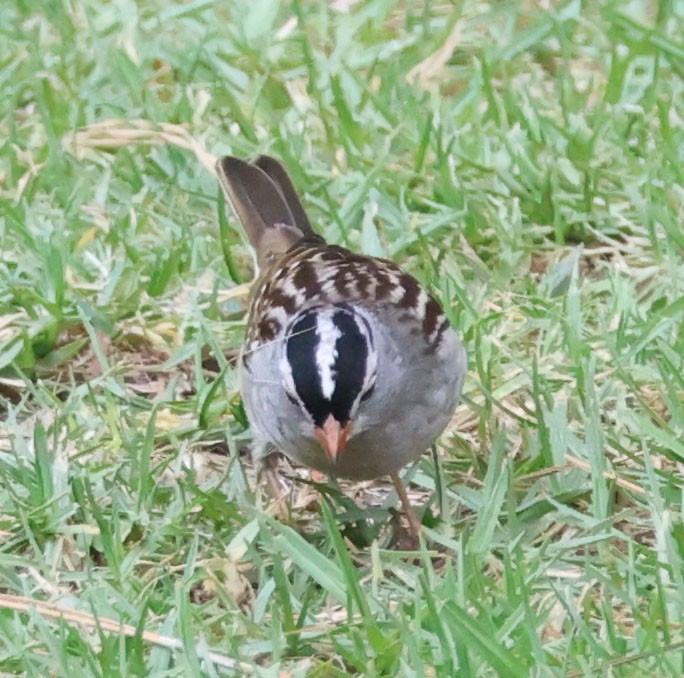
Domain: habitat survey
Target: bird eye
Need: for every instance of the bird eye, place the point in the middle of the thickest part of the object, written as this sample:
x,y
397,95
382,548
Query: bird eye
x,y
368,393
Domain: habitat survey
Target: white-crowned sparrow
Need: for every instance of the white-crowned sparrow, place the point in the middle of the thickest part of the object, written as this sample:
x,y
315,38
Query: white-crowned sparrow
x,y
349,366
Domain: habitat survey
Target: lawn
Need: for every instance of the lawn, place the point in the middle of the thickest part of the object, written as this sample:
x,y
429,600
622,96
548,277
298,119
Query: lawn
x,y
525,160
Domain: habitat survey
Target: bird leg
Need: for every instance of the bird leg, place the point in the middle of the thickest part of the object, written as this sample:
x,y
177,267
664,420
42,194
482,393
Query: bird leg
x,y
414,523
282,505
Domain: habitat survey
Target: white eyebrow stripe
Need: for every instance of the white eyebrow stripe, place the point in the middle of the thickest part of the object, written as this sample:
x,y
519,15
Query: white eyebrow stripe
x,y
371,365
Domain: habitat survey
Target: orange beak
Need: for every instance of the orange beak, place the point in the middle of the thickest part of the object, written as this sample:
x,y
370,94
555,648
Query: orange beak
x,y
332,437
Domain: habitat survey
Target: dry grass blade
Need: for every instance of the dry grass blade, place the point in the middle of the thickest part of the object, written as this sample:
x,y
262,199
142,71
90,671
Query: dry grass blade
x,y
115,133
429,69
77,618
608,475
623,661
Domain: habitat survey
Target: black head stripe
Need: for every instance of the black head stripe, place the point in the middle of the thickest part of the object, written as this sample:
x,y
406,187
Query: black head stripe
x,y
301,354
347,370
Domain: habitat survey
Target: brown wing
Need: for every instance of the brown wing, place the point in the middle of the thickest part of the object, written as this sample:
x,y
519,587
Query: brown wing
x,y
313,273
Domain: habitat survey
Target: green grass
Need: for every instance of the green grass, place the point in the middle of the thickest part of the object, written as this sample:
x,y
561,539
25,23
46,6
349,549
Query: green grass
x,y
525,163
